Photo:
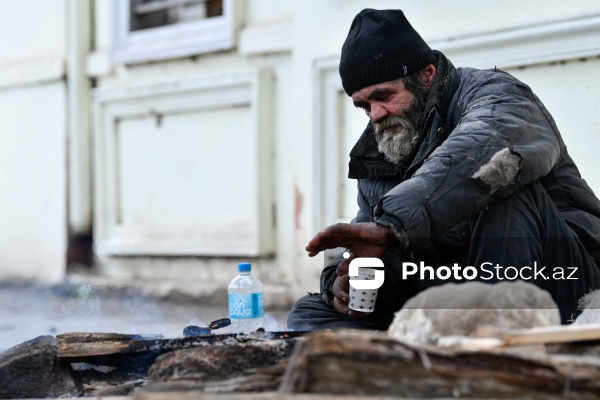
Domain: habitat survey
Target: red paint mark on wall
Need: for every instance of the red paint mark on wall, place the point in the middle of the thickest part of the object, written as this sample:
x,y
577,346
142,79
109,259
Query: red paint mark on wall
x,y
298,202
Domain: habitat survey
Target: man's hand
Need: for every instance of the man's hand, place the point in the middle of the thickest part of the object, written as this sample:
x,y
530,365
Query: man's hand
x,y
340,289
364,239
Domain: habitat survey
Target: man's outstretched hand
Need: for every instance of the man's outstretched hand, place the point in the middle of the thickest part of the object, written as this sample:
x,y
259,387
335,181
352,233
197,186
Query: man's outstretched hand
x,y
365,239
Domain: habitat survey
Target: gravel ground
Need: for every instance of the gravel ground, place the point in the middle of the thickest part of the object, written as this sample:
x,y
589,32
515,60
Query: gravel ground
x,y
28,311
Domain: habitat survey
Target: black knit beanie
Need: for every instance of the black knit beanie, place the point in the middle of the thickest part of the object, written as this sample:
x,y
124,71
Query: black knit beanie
x,y
381,46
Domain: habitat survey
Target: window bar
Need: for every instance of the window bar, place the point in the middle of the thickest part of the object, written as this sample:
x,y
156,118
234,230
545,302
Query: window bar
x,y
146,8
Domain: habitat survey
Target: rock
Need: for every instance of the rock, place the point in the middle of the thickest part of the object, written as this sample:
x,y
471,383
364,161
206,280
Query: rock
x,y
590,304
32,370
448,312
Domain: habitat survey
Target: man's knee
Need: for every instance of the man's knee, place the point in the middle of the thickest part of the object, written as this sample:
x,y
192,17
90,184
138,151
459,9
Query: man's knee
x,y
307,312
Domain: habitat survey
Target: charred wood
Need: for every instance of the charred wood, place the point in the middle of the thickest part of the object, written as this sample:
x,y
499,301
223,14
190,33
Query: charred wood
x,y
347,362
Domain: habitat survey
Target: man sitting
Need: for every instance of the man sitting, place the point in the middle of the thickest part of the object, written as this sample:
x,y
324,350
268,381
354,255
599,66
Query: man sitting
x,y
456,166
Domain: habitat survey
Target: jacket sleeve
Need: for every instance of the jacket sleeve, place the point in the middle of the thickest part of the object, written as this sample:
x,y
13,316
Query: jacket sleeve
x,y
499,119
328,274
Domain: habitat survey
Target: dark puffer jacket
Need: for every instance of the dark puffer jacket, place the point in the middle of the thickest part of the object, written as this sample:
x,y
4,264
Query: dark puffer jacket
x,y
472,115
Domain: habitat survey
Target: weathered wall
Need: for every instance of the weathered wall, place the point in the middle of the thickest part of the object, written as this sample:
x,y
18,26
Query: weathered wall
x,y
33,111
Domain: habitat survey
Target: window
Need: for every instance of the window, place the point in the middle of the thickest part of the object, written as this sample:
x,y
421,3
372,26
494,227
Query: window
x,y
148,30
153,145
147,14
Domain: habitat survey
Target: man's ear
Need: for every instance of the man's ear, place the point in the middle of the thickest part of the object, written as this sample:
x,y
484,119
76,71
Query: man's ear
x,y
428,75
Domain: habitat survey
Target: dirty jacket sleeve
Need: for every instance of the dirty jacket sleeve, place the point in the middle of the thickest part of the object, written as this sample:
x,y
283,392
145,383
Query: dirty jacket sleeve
x,y
494,112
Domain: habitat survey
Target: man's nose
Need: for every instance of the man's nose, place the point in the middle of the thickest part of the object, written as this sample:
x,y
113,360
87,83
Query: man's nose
x,y
378,113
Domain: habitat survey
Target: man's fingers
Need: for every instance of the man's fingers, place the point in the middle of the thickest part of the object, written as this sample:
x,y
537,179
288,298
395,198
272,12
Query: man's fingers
x,y
343,267
342,308
329,238
364,239
340,294
340,288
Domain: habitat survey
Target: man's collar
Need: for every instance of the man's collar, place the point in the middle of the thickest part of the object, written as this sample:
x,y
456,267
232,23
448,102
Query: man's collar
x,y
438,87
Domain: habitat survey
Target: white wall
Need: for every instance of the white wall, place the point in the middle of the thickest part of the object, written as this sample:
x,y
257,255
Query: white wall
x,y
31,35
218,176
33,239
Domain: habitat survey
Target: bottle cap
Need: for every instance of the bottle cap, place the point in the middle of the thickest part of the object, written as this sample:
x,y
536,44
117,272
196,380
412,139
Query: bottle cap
x,y
244,267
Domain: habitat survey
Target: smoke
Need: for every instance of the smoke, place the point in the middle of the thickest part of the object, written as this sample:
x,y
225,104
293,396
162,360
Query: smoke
x,y
272,325
28,311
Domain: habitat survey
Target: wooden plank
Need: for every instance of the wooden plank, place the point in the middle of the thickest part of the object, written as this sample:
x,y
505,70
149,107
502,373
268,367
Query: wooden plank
x,y
82,345
85,345
539,335
89,398
196,395
352,362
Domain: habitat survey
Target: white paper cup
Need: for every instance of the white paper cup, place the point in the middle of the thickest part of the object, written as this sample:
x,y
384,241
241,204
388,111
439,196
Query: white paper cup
x,y
363,299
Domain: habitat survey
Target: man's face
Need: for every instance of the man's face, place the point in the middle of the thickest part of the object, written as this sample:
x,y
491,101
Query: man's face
x,y
395,112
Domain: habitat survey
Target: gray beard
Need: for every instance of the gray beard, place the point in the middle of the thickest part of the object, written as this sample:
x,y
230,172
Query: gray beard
x,y
397,146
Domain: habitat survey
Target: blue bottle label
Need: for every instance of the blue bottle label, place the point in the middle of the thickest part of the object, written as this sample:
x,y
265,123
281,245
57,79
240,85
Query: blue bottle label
x,y
243,306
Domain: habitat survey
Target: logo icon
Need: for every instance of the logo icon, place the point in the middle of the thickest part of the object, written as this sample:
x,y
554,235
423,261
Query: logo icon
x,y
366,262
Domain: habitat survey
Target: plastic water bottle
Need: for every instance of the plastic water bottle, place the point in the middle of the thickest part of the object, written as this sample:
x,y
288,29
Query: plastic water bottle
x,y
245,301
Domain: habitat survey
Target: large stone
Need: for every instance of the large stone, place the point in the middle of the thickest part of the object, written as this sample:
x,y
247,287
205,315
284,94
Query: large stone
x,y
590,304
32,370
443,314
